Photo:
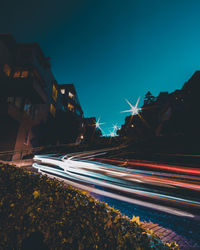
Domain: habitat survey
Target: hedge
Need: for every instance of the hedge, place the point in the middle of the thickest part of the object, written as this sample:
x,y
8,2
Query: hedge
x,y
67,218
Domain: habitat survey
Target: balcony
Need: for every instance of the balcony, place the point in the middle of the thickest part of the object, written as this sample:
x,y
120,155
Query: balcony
x,y
7,109
24,87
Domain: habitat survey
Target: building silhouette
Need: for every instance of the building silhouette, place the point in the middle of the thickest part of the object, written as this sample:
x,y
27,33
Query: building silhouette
x,y
29,96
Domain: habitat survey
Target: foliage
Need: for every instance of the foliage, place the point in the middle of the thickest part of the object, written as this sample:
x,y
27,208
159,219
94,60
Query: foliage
x,y
149,98
67,217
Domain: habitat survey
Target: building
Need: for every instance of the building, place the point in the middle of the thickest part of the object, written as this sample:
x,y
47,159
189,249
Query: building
x,y
29,95
91,133
69,99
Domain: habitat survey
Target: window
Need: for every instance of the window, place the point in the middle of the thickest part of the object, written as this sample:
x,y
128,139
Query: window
x,y
70,107
62,91
27,106
10,100
16,74
24,74
78,112
52,109
18,102
71,95
54,93
7,69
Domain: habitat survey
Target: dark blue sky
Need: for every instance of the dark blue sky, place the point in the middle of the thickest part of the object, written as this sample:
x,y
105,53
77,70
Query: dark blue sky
x,y
111,49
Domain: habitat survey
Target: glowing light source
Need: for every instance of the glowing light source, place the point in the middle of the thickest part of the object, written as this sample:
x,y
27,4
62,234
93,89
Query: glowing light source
x,y
134,109
98,123
113,132
62,91
71,95
115,127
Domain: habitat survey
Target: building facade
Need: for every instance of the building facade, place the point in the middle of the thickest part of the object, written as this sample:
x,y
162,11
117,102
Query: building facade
x,y
29,95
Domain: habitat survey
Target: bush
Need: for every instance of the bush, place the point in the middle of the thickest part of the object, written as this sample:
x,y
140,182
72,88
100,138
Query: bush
x,y
66,217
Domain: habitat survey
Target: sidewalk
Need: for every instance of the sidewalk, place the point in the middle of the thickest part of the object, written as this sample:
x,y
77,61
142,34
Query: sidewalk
x,y
19,163
168,235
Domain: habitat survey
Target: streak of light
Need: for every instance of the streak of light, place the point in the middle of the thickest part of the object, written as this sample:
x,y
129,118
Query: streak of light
x,y
71,167
166,167
129,200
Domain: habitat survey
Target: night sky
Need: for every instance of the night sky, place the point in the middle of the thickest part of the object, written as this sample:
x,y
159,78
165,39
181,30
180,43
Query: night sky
x,y
111,49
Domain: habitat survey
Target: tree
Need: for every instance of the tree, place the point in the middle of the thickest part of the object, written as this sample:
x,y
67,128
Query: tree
x,y
149,98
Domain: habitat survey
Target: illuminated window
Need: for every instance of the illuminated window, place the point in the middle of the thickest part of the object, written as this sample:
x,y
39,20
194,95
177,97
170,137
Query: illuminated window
x,y
54,93
52,109
10,100
7,69
62,91
70,107
24,74
16,74
71,95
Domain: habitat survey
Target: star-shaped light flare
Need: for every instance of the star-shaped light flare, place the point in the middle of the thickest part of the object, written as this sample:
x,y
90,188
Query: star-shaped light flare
x,y
134,109
115,127
98,123
112,134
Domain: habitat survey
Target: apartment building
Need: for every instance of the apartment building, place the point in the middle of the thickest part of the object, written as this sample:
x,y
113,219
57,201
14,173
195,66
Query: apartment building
x,y
29,95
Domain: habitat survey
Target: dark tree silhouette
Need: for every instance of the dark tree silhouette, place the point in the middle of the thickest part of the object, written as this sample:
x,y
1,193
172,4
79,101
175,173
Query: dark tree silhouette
x,y
149,98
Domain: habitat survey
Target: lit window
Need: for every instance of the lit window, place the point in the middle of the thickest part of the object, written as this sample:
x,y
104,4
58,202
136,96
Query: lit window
x,y
27,107
70,107
10,100
71,95
24,74
16,74
7,69
62,91
52,109
54,93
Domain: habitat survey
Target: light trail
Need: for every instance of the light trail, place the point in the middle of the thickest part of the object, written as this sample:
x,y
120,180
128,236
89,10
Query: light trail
x,y
127,181
127,199
159,166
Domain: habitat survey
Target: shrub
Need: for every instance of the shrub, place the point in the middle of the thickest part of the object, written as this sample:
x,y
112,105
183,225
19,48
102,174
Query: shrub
x,y
66,217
